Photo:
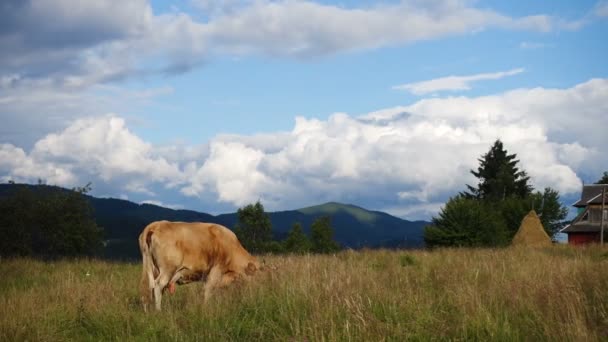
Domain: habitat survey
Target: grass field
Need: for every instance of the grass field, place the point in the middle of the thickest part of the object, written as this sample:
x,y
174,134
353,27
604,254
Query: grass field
x,y
558,294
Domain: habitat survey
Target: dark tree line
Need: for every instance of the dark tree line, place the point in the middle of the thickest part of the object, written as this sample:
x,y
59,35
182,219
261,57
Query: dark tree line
x,y
48,223
254,230
490,213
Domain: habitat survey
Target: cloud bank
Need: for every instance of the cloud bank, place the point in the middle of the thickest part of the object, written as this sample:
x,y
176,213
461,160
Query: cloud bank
x,y
407,160
75,44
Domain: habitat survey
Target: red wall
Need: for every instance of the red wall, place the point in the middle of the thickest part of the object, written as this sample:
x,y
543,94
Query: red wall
x,y
583,238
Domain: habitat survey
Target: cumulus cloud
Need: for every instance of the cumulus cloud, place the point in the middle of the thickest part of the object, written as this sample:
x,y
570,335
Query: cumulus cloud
x,y
231,170
453,83
93,148
15,164
389,160
107,147
406,160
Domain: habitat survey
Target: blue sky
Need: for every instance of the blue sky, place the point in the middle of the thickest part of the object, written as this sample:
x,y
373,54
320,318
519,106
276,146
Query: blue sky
x,y
258,93
209,105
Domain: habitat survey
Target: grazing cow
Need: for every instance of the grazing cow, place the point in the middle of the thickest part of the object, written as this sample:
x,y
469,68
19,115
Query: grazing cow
x,y
179,252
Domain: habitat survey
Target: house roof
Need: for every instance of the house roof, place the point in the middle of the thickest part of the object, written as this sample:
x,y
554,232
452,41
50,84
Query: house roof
x,y
592,194
584,228
578,226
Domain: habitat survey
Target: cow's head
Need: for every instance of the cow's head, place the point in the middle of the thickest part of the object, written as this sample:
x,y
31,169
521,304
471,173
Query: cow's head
x,y
266,267
251,268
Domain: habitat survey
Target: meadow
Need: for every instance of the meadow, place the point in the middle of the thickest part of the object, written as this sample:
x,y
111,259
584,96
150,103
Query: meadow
x,y
558,294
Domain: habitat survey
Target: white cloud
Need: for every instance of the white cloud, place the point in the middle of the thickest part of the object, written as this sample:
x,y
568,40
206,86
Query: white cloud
x,y
419,159
100,149
407,159
304,28
161,204
69,38
601,9
231,170
453,83
415,211
107,148
533,45
30,108
84,43
61,55
17,166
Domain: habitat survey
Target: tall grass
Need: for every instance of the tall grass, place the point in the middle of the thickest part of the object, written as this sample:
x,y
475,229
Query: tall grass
x,y
557,294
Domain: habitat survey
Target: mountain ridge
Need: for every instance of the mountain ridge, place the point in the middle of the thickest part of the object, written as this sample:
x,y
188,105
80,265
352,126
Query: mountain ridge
x,y
354,226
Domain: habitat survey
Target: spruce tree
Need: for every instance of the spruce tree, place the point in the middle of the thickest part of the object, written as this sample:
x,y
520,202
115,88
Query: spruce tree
x,y
254,228
499,177
297,242
490,214
321,234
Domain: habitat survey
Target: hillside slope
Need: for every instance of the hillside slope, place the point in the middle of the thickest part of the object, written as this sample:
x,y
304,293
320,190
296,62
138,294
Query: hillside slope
x,y
354,227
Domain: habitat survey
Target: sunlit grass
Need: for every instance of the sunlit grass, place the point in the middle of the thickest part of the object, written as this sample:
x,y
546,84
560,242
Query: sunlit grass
x,y
557,293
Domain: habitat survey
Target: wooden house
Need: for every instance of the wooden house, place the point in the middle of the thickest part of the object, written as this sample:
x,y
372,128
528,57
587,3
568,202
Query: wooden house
x,y
586,226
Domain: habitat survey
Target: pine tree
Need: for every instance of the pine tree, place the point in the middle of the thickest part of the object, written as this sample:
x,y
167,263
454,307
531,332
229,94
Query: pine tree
x,y
322,236
499,177
297,242
490,214
254,228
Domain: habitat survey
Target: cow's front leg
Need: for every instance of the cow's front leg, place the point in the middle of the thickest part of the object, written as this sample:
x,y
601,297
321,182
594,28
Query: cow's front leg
x,y
213,279
228,278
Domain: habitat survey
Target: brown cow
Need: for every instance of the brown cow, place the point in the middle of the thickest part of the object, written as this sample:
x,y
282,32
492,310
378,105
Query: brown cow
x,y
179,252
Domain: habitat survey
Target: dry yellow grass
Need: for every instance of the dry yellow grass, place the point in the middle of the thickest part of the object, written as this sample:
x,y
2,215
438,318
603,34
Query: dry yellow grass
x,y
556,293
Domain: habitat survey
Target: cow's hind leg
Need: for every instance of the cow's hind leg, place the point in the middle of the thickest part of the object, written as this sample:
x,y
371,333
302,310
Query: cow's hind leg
x,y
177,276
159,284
213,279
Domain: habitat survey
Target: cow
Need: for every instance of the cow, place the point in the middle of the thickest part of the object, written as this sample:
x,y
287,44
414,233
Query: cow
x,y
180,252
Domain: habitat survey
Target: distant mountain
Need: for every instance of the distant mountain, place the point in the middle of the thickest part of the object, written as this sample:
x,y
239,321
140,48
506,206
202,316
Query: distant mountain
x,y
354,227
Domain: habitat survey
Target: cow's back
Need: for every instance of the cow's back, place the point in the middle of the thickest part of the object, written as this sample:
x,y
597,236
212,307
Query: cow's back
x,y
196,246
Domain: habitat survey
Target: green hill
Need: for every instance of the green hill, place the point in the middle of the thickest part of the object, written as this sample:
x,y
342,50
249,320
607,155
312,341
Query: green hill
x,y
354,227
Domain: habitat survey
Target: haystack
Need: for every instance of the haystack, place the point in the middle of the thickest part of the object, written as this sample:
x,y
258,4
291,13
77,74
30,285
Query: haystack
x,y
531,232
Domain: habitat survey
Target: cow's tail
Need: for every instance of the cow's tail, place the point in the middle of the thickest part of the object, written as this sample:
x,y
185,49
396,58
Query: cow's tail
x,y
146,284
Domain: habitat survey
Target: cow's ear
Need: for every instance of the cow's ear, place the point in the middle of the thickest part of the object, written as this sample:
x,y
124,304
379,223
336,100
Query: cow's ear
x,y
250,270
